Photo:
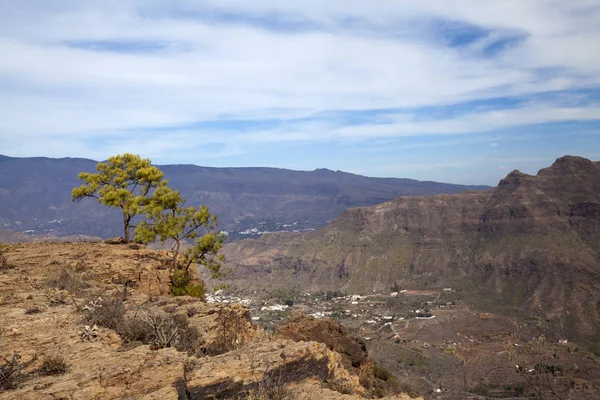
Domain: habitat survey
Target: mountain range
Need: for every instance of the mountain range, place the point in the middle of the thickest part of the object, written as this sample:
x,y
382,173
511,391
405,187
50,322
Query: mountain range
x,y
35,194
530,246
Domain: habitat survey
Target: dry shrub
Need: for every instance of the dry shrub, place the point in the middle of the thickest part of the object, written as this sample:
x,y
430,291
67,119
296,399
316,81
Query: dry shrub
x,y
4,265
107,313
339,385
146,326
191,311
172,331
229,332
10,372
53,365
190,340
164,329
134,332
160,330
66,279
171,309
33,310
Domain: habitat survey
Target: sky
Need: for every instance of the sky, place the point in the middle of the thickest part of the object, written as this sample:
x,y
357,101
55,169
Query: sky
x,y
461,91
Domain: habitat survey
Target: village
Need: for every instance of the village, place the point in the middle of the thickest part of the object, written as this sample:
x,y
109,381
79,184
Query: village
x,y
374,316
417,334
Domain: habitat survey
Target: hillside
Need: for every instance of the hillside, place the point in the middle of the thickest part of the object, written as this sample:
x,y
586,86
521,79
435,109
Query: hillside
x,y
35,194
95,321
530,245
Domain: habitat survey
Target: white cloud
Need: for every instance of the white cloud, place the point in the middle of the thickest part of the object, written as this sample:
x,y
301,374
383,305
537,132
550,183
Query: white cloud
x,y
210,67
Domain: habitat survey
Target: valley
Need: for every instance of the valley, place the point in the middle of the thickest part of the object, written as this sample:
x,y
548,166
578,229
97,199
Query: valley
x,y
491,294
425,337
300,200
529,244
433,284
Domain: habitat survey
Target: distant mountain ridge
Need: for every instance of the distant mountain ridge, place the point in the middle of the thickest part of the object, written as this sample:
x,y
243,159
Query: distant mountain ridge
x,y
532,244
35,194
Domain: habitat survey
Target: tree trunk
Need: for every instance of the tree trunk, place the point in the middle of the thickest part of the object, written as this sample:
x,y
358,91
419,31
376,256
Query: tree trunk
x,y
126,219
176,253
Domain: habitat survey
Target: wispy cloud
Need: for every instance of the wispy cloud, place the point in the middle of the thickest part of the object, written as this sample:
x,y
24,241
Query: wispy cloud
x,y
228,79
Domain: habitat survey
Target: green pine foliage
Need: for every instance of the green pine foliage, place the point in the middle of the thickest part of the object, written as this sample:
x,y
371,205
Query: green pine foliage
x,y
168,219
124,181
182,285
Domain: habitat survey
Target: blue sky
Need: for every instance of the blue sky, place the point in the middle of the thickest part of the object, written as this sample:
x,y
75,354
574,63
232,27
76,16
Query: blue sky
x,y
462,91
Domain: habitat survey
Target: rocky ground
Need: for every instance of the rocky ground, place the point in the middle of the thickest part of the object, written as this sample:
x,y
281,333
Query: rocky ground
x,y
95,321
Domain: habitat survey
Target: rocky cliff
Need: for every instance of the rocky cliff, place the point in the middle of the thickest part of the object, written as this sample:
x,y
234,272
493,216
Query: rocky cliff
x,y
530,244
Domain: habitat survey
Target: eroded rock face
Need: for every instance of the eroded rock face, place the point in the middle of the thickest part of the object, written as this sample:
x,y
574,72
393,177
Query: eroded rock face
x,y
533,241
96,369
353,351
95,373
331,333
112,265
280,361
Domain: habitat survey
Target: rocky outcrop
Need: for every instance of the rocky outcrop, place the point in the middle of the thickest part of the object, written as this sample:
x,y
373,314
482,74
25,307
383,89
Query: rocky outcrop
x,y
301,328
353,351
280,362
48,289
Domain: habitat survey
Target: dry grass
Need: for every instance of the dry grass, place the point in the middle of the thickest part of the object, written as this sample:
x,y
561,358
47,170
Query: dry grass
x,y
191,311
54,365
271,387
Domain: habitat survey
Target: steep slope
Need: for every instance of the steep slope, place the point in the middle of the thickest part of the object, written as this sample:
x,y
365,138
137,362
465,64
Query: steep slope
x,y
35,194
530,243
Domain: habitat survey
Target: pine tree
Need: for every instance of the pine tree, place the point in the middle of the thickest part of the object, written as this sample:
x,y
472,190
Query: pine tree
x,y
125,181
169,220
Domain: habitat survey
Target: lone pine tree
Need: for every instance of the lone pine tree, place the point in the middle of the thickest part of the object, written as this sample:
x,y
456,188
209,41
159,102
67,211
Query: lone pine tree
x,y
125,181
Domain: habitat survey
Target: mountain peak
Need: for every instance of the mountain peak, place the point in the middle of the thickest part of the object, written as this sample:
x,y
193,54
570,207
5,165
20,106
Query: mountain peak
x,y
513,178
568,163
323,171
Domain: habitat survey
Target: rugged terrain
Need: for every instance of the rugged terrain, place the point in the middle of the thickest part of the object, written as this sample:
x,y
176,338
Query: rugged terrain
x,y
529,246
90,320
35,194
